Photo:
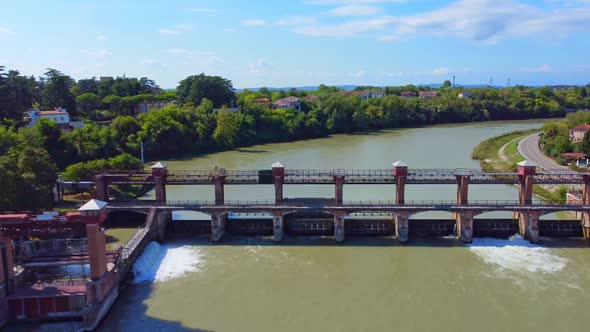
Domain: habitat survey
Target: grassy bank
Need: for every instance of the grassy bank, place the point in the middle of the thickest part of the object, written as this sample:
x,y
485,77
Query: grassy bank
x,y
488,154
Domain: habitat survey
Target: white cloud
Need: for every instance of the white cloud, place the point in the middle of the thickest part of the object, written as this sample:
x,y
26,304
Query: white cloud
x,y
150,62
102,37
97,54
253,22
540,69
440,71
347,29
355,10
184,27
176,51
202,10
260,66
297,20
176,30
167,32
359,73
483,21
345,2
5,30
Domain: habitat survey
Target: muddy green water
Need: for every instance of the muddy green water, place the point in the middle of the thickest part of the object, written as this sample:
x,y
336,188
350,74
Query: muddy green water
x,y
313,284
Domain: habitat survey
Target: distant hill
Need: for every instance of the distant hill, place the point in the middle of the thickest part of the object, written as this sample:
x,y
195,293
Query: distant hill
x,y
352,87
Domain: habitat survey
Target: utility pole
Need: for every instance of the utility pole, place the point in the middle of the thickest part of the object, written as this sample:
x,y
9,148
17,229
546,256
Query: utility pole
x,y
142,160
508,83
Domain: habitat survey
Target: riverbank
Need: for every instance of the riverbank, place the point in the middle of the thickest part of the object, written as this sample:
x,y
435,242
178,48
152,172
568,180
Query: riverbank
x,y
500,154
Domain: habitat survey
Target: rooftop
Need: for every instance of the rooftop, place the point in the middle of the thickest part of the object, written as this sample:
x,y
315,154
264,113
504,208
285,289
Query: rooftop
x,y
93,205
581,127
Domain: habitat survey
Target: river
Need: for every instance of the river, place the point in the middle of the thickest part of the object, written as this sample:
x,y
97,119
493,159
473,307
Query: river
x,y
314,284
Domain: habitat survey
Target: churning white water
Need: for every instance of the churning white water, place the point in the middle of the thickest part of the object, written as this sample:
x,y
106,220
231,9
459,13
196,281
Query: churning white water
x,y
164,262
517,254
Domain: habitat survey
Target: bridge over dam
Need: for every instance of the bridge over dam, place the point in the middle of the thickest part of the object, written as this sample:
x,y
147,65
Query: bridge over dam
x,y
278,214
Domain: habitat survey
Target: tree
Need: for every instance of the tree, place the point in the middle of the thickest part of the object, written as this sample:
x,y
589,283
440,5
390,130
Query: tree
x,y
56,92
226,132
88,102
585,146
447,84
217,89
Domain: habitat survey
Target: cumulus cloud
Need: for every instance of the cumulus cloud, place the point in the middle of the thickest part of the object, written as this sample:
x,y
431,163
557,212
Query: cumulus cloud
x,y
540,69
97,54
355,10
253,22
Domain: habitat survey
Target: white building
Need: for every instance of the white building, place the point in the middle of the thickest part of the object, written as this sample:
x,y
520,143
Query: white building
x,y
371,94
59,115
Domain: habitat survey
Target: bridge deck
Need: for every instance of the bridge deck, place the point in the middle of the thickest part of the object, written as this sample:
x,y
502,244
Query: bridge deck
x,y
326,176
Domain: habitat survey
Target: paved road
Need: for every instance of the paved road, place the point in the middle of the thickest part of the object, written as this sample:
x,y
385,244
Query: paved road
x,y
529,149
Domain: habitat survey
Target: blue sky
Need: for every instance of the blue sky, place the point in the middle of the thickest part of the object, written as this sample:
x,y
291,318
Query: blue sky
x,y
303,42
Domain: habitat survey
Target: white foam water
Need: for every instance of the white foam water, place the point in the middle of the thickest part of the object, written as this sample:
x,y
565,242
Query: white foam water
x,y
517,254
160,263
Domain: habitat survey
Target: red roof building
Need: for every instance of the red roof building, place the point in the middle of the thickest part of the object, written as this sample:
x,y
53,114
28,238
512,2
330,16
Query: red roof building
x,y
577,133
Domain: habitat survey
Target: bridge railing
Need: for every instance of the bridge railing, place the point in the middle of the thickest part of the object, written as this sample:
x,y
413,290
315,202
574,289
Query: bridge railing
x,y
368,203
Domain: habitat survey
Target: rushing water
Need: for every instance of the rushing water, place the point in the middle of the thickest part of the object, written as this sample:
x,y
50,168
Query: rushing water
x,y
314,284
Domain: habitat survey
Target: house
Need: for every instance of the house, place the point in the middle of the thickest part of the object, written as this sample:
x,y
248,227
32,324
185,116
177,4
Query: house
x,y
555,88
577,158
366,95
265,102
59,115
577,133
465,94
428,94
312,99
289,102
408,94
148,106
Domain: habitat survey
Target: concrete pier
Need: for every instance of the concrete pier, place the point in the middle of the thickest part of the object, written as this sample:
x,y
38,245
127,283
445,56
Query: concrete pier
x,y
401,227
277,227
400,174
465,226
217,226
529,226
339,227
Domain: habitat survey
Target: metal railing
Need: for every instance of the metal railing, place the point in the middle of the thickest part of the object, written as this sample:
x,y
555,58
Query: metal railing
x,y
368,203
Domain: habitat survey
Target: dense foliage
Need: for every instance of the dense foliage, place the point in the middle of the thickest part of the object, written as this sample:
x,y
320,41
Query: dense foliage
x,y
200,122
555,139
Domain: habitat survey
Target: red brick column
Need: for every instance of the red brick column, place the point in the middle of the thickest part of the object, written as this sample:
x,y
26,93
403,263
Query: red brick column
x,y
463,189
400,174
101,188
278,178
96,251
218,182
586,201
339,188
